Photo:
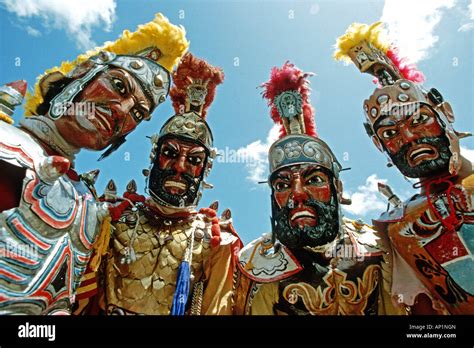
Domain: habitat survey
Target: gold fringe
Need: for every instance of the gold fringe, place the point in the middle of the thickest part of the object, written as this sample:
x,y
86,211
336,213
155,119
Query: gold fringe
x,y
468,183
101,245
170,39
355,34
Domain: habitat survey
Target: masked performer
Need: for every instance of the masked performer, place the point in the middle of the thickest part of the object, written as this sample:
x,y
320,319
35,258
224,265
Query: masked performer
x,y
315,261
49,219
431,233
166,256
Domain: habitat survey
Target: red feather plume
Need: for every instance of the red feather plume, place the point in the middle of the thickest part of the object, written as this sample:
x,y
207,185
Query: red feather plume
x,y
195,68
408,71
284,79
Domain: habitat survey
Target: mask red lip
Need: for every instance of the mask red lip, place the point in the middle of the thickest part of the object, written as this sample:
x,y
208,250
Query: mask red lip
x,y
175,186
303,216
420,153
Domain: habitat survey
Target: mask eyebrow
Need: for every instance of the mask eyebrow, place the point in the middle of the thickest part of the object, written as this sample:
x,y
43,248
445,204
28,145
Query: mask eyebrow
x,y
386,122
196,151
282,176
172,146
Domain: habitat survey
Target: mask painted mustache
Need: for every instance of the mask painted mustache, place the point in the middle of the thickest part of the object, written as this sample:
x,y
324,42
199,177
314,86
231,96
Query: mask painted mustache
x,y
428,167
156,185
294,237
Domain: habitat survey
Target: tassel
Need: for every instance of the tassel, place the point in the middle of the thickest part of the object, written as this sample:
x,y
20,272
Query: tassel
x,y
101,246
182,289
184,278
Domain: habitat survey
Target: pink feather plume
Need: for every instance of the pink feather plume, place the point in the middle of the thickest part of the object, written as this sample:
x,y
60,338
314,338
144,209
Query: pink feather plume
x,y
409,71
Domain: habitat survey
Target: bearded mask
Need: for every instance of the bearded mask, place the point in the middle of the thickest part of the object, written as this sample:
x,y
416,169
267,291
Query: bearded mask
x,y
178,171
304,173
413,126
414,138
183,151
305,211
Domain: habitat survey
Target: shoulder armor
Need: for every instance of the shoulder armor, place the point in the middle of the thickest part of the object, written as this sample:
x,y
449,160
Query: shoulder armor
x,y
393,215
266,269
398,214
364,238
18,148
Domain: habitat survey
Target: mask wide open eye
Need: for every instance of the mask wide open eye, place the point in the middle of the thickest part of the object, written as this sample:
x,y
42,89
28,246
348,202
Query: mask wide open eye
x,y
169,152
194,160
315,180
419,119
281,186
119,85
389,133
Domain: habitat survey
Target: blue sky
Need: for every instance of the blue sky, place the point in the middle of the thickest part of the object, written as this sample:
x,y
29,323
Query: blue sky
x,y
259,35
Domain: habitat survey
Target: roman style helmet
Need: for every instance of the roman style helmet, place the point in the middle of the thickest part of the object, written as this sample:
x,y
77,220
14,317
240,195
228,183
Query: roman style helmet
x,y
194,88
287,93
399,84
148,54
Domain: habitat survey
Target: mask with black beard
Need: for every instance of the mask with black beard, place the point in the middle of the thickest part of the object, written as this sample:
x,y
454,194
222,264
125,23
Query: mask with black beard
x,y
324,232
156,187
425,168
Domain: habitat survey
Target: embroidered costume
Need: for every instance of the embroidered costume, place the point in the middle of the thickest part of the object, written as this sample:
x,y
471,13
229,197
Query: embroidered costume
x,y
315,261
432,233
166,256
49,216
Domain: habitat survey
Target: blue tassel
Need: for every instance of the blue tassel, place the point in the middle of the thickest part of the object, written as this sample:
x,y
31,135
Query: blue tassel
x,y
182,289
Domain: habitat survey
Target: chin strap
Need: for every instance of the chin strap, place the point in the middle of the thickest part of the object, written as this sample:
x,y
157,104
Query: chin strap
x,y
447,217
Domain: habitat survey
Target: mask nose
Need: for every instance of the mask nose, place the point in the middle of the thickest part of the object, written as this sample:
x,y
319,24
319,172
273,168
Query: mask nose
x,y
180,165
299,194
407,135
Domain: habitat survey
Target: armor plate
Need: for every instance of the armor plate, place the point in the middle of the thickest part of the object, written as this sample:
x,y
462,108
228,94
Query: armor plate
x,y
347,284
46,241
147,284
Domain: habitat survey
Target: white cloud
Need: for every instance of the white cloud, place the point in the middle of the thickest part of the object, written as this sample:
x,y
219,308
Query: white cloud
x,y
470,25
32,31
367,198
468,153
467,27
256,155
76,17
412,24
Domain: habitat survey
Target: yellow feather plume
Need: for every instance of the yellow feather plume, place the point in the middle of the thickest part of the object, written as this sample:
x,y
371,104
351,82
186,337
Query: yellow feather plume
x,y
170,39
355,34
